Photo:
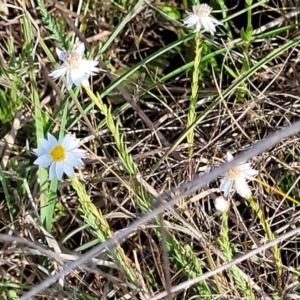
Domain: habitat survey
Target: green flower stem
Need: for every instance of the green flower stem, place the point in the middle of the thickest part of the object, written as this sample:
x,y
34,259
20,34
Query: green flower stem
x,y
123,154
222,5
234,270
94,218
195,86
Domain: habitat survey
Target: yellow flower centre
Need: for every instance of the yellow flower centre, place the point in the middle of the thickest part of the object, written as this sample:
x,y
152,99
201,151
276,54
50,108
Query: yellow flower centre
x,y
234,173
58,153
73,60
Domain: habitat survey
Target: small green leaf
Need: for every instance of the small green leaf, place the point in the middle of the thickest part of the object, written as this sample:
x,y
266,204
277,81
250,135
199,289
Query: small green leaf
x,y
171,11
231,72
247,34
12,295
243,35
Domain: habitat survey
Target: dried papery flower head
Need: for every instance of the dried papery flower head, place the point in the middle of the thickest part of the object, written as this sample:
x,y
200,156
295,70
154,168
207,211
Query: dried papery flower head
x,y
73,60
221,205
235,179
62,156
75,67
200,18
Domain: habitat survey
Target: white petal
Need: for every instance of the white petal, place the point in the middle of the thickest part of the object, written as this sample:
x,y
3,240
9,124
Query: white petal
x,y
73,145
59,169
205,24
226,186
80,49
195,19
77,76
250,173
90,65
60,71
43,161
247,170
85,82
229,156
52,139
242,187
80,162
215,21
91,72
244,166
209,25
198,27
190,20
39,151
46,145
69,80
188,25
72,160
69,170
79,153
75,157
61,54
52,171
66,141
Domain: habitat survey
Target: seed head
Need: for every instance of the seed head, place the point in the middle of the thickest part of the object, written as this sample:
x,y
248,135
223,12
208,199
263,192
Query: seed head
x,y
202,11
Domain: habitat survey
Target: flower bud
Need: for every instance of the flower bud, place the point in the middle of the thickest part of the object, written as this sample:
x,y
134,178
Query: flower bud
x,y
221,205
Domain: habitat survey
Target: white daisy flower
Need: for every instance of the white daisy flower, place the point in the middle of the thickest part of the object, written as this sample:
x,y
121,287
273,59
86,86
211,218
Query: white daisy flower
x,y
75,67
200,18
60,155
236,178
